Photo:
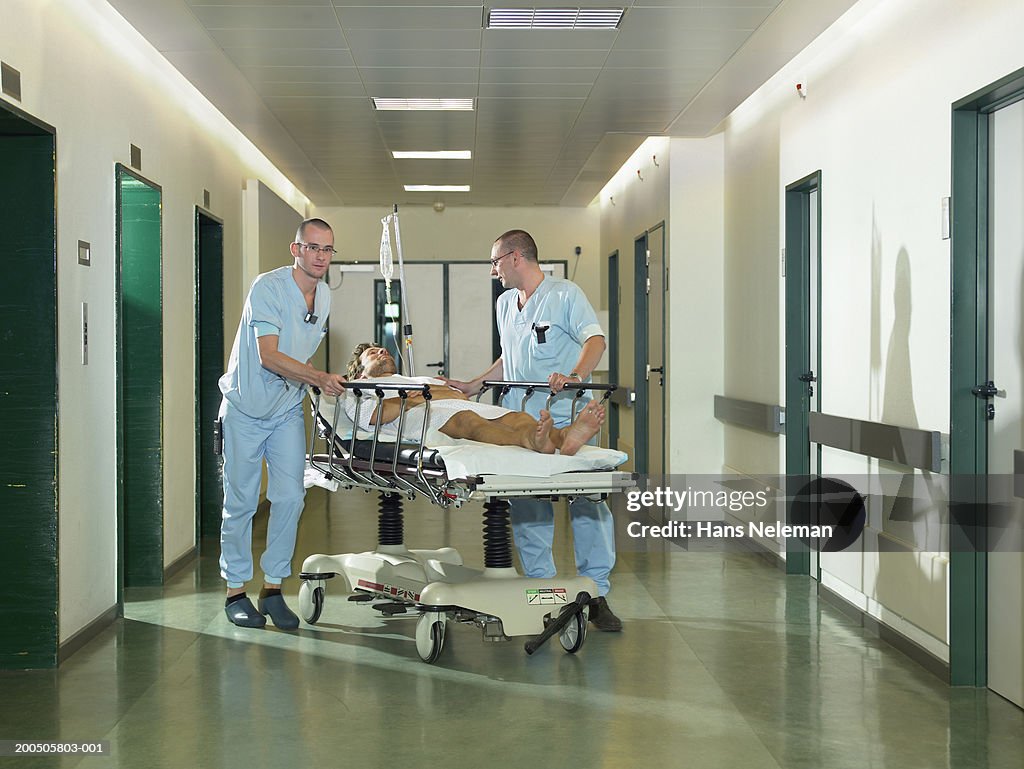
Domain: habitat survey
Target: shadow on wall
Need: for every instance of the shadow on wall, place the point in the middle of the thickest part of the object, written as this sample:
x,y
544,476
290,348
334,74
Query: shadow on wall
x,y
911,505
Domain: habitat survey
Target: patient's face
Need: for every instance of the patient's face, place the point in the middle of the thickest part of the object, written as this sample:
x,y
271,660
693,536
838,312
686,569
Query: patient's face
x,y
376,361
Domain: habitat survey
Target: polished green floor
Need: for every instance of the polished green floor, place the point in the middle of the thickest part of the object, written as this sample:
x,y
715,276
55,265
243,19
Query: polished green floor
x,y
724,662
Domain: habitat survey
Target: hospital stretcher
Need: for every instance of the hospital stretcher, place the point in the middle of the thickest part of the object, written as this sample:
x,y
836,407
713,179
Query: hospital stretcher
x,y
436,583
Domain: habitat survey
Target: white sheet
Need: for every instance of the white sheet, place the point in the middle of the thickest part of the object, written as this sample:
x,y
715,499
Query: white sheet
x,y
464,457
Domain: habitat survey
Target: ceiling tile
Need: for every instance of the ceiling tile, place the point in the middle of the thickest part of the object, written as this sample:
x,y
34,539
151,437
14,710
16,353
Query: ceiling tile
x,y
540,75
554,92
548,39
300,39
519,57
428,17
386,57
438,76
266,17
282,92
258,75
290,57
406,40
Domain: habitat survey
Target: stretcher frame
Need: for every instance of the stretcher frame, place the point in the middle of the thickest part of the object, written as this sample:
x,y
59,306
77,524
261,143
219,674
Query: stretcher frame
x,y
435,583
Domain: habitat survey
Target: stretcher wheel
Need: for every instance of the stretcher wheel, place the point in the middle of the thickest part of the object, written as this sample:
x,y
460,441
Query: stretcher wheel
x,y
430,631
575,633
311,602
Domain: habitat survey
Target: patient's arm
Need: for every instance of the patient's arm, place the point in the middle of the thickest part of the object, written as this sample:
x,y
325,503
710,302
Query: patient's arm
x,y
392,408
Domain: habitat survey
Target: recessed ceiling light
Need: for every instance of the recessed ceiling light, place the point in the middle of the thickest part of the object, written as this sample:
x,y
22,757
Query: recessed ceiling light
x,y
435,155
423,104
437,188
554,18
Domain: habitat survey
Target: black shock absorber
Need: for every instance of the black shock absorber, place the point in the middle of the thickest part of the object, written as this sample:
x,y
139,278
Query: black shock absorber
x,y
390,524
497,538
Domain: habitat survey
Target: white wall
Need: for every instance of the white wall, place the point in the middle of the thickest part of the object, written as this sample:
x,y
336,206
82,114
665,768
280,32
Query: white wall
x,y
631,204
695,290
86,72
876,123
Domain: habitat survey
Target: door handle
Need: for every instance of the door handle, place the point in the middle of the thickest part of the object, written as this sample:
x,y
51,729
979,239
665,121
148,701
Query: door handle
x,y
439,366
986,390
809,378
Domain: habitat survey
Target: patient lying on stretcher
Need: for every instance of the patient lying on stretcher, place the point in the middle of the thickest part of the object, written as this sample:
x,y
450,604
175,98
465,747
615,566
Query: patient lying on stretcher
x,y
453,414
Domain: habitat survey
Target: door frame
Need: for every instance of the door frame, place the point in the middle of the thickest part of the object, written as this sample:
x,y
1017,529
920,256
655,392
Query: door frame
x,y
969,366
641,434
613,344
798,340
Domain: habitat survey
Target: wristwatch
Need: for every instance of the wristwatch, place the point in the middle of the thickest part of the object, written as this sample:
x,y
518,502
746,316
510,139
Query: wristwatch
x,y
577,376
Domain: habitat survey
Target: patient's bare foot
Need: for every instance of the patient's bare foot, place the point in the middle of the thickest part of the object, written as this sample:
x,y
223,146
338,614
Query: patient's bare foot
x,y
586,426
540,438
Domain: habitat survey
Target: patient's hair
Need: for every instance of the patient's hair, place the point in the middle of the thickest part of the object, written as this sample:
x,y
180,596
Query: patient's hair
x,y
521,241
355,366
300,234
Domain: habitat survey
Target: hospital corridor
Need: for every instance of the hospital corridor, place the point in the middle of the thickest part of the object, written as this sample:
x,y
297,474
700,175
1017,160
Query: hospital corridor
x,y
654,378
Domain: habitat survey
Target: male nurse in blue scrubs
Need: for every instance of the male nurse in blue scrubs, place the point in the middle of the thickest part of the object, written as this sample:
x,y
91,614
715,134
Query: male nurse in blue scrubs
x,y
283,321
549,333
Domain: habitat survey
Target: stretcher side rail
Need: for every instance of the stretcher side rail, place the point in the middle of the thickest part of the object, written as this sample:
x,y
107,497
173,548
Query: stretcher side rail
x,y
359,462
581,388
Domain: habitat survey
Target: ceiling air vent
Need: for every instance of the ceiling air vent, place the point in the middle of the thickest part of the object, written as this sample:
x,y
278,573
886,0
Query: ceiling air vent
x,y
554,18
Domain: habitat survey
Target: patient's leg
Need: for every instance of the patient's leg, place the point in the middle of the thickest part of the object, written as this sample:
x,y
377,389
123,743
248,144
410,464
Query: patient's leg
x,y
502,431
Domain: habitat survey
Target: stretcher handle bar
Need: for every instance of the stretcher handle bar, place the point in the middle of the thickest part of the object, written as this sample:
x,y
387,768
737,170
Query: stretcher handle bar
x,y
557,624
544,385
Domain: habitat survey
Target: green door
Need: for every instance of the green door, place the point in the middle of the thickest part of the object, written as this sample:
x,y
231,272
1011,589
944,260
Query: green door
x,y
28,397
139,379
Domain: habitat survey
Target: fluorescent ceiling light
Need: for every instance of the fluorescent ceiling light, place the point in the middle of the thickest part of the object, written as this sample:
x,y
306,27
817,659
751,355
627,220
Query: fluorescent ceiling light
x,y
438,155
437,188
554,18
423,104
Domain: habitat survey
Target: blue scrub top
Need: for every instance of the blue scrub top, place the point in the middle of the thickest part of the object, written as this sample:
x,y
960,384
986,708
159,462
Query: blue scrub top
x,y
545,337
275,306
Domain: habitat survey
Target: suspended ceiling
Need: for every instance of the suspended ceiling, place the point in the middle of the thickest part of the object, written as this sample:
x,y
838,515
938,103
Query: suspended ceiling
x,y
557,112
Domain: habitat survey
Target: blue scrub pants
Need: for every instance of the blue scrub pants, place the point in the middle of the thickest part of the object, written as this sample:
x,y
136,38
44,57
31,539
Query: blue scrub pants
x,y
281,440
593,534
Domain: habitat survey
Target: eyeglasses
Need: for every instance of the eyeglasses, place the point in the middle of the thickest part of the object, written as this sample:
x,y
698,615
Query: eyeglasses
x,y
317,249
494,262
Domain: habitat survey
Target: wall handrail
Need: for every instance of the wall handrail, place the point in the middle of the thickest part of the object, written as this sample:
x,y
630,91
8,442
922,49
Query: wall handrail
x,y
766,417
909,446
